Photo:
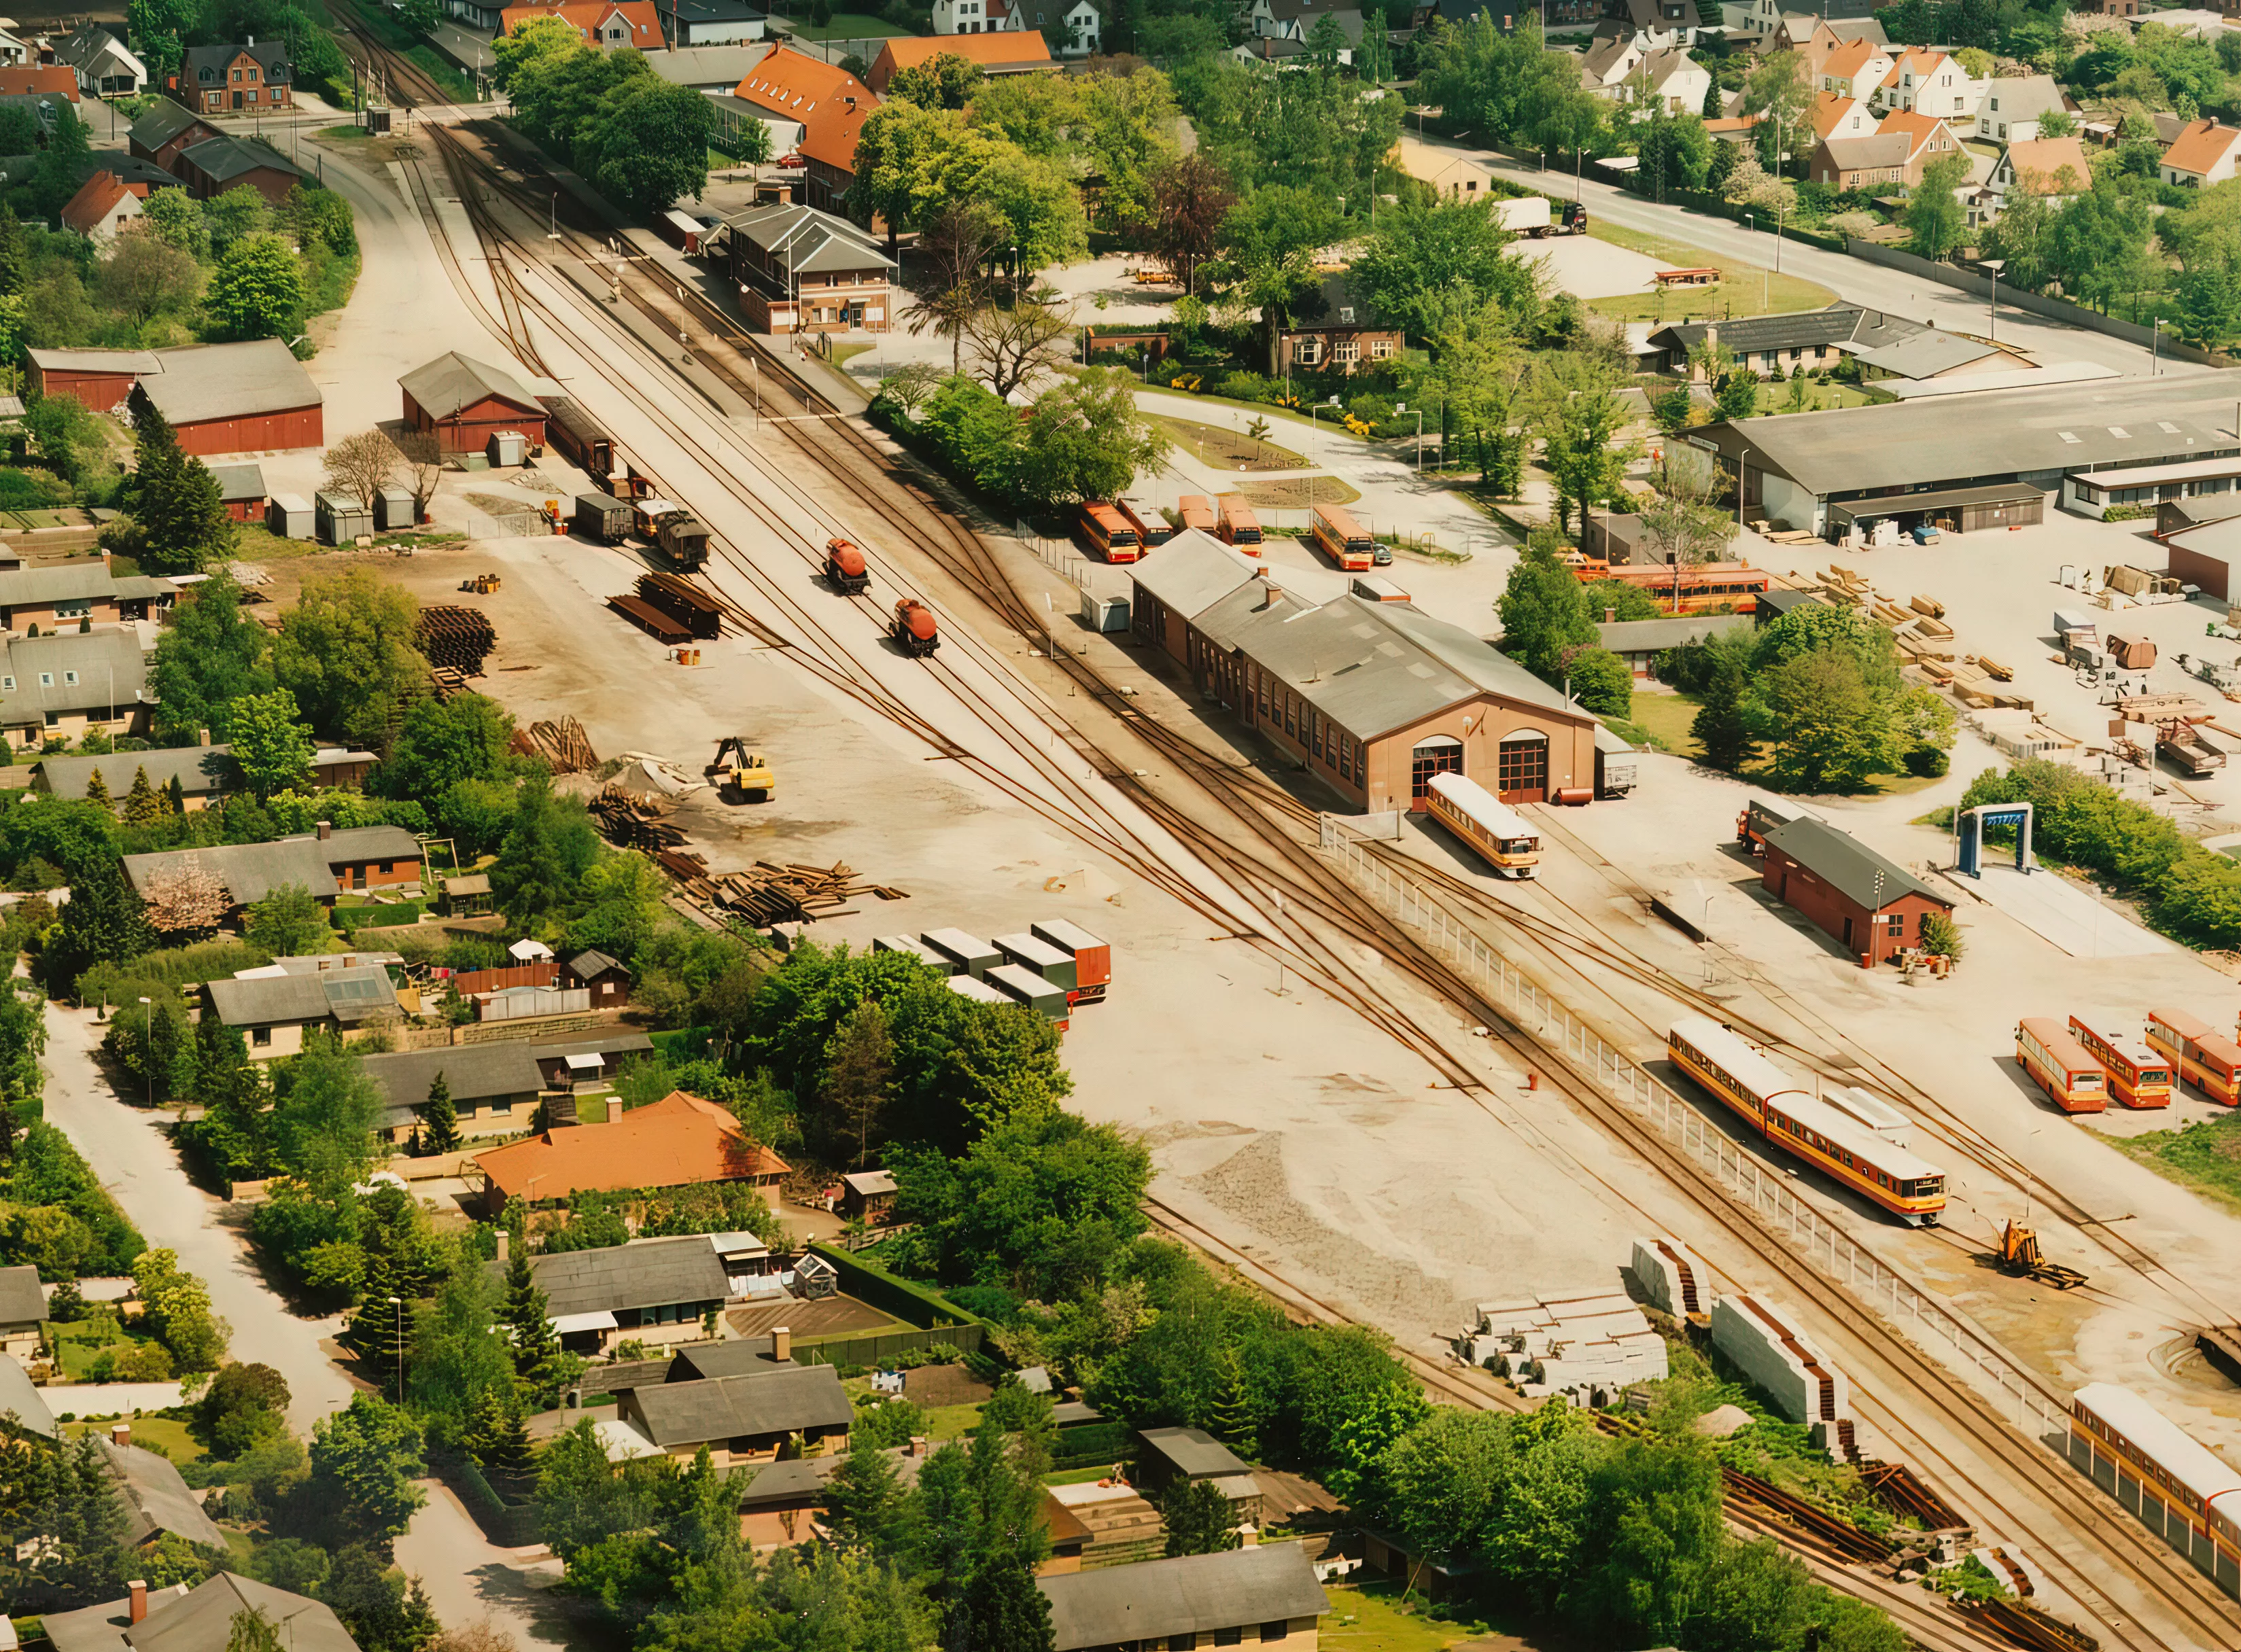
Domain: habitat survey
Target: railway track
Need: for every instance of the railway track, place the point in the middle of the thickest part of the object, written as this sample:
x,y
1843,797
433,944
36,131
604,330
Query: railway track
x,y
917,518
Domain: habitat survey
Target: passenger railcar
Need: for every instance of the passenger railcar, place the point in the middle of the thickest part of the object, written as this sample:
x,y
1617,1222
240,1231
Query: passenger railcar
x,y
2058,1064
1109,533
2139,1075
1832,1140
580,439
2208,1060
2178,1488
1503,838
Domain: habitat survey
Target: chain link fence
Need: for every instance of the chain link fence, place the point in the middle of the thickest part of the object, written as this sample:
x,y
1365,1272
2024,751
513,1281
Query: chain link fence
x,y
1534,1009
1060,556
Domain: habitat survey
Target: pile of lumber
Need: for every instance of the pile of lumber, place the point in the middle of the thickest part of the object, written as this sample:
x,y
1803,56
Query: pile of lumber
x,y
635,822
459,637
564,746
771,893
443,681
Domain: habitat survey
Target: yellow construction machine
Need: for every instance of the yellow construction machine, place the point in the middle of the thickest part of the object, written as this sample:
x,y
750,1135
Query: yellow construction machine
x,y
2019,1255
743,770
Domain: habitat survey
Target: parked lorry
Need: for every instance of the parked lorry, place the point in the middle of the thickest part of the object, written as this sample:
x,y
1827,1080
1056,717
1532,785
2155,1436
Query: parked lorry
x,y
1530,215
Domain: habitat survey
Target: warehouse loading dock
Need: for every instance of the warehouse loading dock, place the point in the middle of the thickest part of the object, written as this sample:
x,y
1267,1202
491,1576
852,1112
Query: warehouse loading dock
x,y
1959,510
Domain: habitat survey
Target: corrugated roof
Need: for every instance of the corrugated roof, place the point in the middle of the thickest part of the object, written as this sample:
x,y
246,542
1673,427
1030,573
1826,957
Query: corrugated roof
x,y
348,995
785,1399
678,1139
585,965
202,382
473,1073
56,582
1195,1454
1193,572
155,1498
705,65
1926,355
1192,1595
1859,874
450,382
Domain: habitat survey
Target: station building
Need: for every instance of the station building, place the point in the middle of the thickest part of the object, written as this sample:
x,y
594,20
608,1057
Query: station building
x,y
1374,697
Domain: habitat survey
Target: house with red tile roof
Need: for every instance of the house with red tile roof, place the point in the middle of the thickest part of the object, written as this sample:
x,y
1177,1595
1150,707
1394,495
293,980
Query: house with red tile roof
x,y
676,1142
814,110
1927,82
104,207
39,80
1012,52
1834,115
1854,70
1896,153
2202,153
606,25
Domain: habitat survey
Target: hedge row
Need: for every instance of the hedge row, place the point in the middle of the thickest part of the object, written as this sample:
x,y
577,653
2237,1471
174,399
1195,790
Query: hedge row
x,y
914,1304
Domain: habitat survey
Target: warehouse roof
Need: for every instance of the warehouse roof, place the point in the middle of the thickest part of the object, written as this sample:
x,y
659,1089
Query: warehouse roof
x,y
1190,1595
70,672
1989,437
785,1399
203,382
227,157
156,1498
704,65
678,1139
450,382
1886,505
21,1302
1854,870
201,770
646,1272
808,242
96,361
163,122
350,996
1193,572
1636,636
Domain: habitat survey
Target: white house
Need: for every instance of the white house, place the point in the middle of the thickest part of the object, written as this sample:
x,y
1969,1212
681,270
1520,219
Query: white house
x,y
2010,109
1672,78
103,66
1932,83
1837,116
2203,154
1608,66
1856,68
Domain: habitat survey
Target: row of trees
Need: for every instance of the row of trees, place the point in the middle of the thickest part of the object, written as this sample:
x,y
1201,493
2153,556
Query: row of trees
x,y
1083,440
641,141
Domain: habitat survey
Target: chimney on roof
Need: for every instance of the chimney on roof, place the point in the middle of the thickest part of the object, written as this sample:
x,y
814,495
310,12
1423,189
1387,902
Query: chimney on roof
x,y
326,830
253,40
120,1434
1610,616
782,1344
504,1245
1270,593
139,1589
918,1442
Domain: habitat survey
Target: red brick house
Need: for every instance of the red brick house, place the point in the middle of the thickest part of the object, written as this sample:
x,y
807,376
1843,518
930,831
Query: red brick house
x,y
1902,145
465,402
210,168
603,25
166,129
247,76
1870,906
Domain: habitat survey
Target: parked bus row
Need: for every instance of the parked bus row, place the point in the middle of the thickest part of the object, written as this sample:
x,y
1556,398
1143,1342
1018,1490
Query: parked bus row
x,y
2082,1066
1122,530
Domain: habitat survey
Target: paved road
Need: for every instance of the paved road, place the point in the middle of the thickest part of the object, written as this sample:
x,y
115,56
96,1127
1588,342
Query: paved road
x,y
1849,278
139,1166
469,1579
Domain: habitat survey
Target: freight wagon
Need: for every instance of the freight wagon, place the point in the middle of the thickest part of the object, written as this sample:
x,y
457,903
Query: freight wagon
x,y
2208,1060
578,436
602,517
2058,1064
2139,1076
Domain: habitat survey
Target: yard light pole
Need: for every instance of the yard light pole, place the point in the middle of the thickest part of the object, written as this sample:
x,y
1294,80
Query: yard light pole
x,y
1742,470
148,1054
398,1302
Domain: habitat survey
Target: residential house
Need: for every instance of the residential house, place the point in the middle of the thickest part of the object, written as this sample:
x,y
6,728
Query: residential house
x,y
800,270
1872,906
1657,25
1606,67
463,402
1816,38
1809,340
200,1619
56,81
1927,82
22,1406
1855,69
712,22
2054,169
327,862
2011,109
247,76
1835,115
22,1312
1077,20
1013,52
104,208
103,65
608,981
1454,176
2202,153
1166,1457
1674,79
166,129
1264,1593
2130,8
784,1503
1904,144
1331,329
153,1497
201,773
1372,697
496,1085
217,164
52,596
65,687
1639,642
671,1143
656,1291
605,26
276,1013
743,1419
814,110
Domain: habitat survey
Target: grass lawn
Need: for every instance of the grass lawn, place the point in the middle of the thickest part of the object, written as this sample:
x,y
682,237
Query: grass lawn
x,y
77,1345
2205,1157
1744,290
1077,1476
850,25
1370,1618
843,354
1298,493
1775,399
1217,446
1664,719
168,1432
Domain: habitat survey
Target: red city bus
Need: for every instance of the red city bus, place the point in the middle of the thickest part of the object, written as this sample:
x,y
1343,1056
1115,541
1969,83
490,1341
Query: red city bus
x,y
2059,1065
1197,512
2208,1060
1109,533
1239,526
1346,542
2138,1075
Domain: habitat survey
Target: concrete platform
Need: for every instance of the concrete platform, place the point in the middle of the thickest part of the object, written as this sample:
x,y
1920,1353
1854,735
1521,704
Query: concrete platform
x,y
2061,911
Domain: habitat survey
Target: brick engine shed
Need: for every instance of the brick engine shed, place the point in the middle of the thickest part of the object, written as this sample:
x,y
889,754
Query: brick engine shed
x,y
1873,906
465,402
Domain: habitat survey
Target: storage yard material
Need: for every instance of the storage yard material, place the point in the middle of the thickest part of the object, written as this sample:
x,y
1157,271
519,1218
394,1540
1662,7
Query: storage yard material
x,y
650,619
1765,1340
769,893
564,746
1673,1276
459,637
689,606
1588,1347
1093,958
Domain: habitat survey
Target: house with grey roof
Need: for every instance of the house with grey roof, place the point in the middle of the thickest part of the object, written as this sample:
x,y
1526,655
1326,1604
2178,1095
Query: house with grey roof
x,y
22,1312
274,1014
104,67
356,858
1862,898
495,1085
654,1290
1166,1457
2013,107
801,269
155,1500
61,686
197,1620
1639,642
1267,1592
81,591
21,1399
204,773
710,71
742,1419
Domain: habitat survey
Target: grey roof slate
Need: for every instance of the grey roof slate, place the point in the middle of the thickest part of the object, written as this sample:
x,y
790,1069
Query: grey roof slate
x,y
112,671
203,382
741,1356
226,155
1192,1595
1193,572
784,1400
473,1073
349,995
163,122
250,871
1926,355
1633,636
647,1273
93,360
1195,1454
21,1302
156,1498
201,770
443,386
585,965
239,481
199,1620
1876,150
2025,98
56,582
1849,865
388,843
809,242
19,1395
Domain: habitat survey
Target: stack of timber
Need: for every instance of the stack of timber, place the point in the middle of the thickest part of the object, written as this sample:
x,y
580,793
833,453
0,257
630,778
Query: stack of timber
x,y
650,619
769,893
458,638
443,681
684,602
565,745
635,822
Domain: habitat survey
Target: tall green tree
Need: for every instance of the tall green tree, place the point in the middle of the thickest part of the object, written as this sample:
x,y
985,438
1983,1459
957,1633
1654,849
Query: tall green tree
x,y
256,291
527,1316
1199,1519
1577,412
1544,610
348,653
288,923
1267,245
210,657
1722,725
272,747
439,1119
175,519
443,742
1426,267
103,922
1085,439
1933,216
546,853
652,143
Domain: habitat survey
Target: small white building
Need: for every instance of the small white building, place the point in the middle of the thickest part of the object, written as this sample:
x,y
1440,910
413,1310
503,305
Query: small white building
x,y
2011,110
1933,84
2203,154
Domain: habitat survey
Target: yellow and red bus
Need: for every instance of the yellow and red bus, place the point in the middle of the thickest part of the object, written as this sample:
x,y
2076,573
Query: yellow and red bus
x,y
1109,533
2058,1064
1346,542
1151,529
1239,526
2139,1076
1197,512
2208,1060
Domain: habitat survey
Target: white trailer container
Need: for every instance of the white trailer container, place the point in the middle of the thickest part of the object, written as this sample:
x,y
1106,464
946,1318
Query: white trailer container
x,y
1524,215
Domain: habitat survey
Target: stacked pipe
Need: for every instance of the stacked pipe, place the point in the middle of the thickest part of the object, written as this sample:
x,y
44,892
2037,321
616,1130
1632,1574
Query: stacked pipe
x,y
458,638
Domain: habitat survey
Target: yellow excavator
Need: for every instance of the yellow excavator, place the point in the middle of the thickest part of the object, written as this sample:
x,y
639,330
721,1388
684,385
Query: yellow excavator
x,y
743,770
2019,1255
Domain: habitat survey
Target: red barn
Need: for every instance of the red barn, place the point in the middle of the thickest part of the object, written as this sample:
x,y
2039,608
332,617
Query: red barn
x,y
238,398
465,402
1873,906
101,379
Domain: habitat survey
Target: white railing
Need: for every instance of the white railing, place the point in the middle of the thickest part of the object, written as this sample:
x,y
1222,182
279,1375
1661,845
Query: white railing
x,y
1538,1013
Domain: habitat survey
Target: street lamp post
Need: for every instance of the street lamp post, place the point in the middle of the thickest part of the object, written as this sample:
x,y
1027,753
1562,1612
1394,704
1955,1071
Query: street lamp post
x,y
398,1302
1742,470
1402,407
148,1053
